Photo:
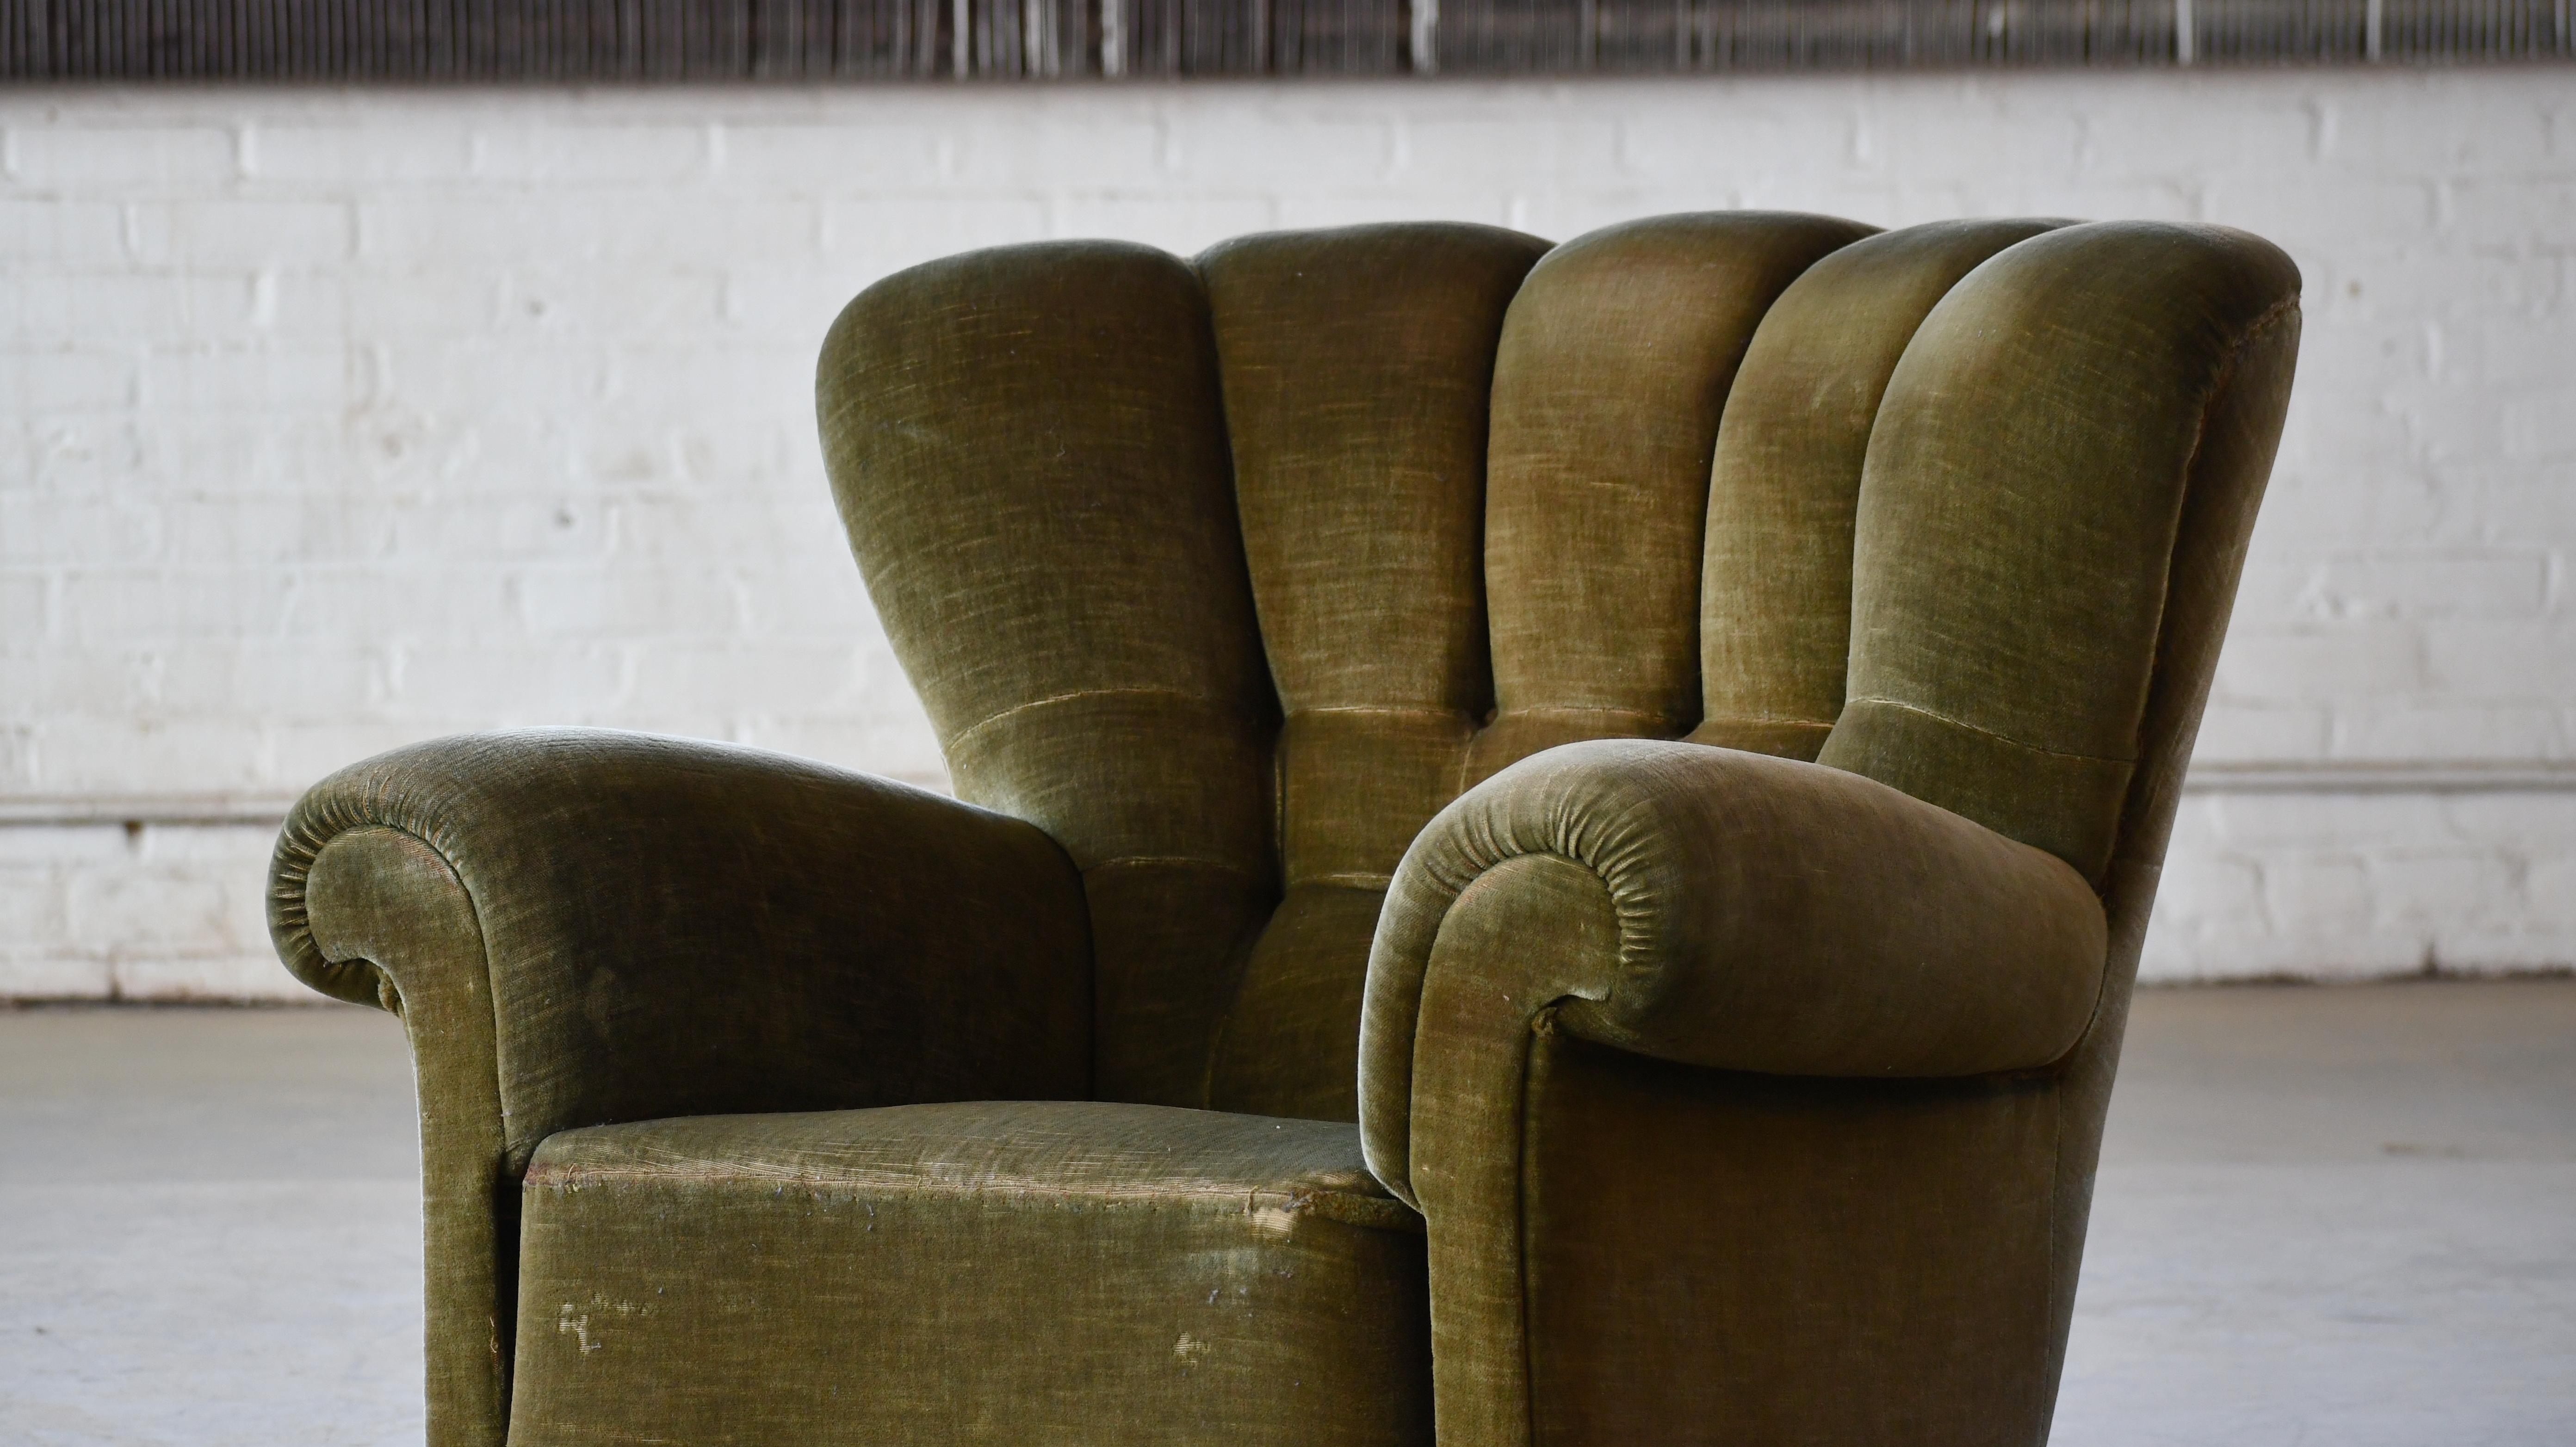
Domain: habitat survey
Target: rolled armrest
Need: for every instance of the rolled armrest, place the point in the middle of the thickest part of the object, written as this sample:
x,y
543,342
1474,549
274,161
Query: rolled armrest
x,y
580,927
1729,910
671,927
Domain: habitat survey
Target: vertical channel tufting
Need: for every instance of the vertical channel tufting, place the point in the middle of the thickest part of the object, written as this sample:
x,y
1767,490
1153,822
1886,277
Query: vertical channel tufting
x,y
1028,448
1430,429
1613,371
2010,561
1775,589
1357,367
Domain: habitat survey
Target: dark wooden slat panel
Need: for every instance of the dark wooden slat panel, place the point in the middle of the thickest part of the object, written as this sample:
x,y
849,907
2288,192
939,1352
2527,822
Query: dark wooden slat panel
x,y
1336,37
805,41
1614,36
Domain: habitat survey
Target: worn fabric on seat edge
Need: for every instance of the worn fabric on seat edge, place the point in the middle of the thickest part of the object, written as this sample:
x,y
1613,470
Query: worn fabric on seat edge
x,y
977,1272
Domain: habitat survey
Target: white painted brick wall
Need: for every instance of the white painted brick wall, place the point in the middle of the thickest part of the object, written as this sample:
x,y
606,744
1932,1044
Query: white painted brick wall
x,y
336,420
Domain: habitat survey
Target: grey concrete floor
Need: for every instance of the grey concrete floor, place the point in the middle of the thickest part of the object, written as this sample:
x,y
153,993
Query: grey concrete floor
x,y
2326,1215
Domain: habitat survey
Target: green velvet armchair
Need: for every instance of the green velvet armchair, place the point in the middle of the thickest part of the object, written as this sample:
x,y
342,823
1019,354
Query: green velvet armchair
x,y
1550,847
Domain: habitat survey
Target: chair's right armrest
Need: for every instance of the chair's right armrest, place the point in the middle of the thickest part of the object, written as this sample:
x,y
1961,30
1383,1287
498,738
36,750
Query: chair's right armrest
x,y
1720,909
1712,914
580,927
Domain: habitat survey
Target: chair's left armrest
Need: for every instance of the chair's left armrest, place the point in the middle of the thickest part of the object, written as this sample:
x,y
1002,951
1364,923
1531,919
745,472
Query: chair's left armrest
x,y
580,927
665,926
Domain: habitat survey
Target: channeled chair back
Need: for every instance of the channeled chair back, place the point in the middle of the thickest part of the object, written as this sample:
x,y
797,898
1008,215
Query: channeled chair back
x,y
1230,573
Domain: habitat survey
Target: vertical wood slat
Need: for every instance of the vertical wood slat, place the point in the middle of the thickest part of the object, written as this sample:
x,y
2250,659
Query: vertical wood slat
x,y
815,40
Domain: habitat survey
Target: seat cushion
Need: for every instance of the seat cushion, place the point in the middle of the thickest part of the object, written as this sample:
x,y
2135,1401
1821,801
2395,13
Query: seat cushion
x,y
1051,1272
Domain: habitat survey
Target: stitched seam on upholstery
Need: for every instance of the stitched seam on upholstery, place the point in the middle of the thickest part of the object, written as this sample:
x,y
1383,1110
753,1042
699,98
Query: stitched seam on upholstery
x,y
374,807
504,1318
959,738
1345,879
1548,708
1278,816
2056,1177
1190,860
1309,1202
1393,710
472,909
1626,936
491,986
1413,1063
1961,723
491,992
1586,865
288,892
1545,1012
2272,316
1544,1020
1773,719
2219,382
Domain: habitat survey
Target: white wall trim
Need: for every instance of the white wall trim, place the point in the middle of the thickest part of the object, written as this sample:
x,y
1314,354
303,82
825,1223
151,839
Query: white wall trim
x,y
2384,776
165,809
2353,776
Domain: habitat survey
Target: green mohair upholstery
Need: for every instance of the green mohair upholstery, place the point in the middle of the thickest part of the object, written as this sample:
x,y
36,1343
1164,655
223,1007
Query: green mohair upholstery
x,y
2042,531
579,926
1356,366
1784,488
1616,366
1555,842
1012,1272
1032,462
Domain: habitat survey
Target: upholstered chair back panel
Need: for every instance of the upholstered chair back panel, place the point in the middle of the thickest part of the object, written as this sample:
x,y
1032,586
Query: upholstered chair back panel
x,y
1615,368
2019,505
1356,368
1776,580
1230,576
1029,451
